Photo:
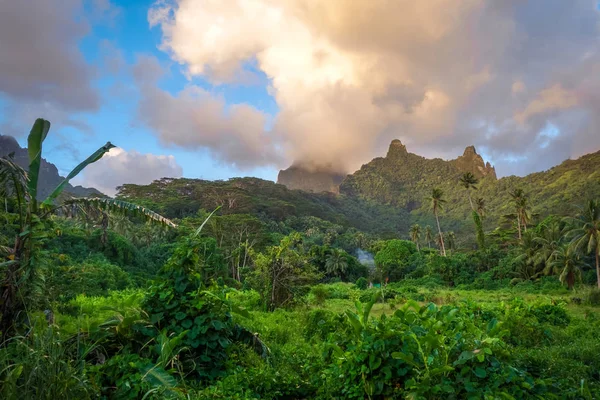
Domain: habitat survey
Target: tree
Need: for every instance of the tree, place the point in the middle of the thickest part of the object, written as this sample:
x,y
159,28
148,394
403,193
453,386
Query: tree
x,y
392,261
280,272
548,241
437,202
451,240
23,270
480,206
336,263
566,263
522,212
428,235
585,235
415,234
469,181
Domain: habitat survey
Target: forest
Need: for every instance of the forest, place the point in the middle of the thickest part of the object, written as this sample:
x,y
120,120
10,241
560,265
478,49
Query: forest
x,y
243,289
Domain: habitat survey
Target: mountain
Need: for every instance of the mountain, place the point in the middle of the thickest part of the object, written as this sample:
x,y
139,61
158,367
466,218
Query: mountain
x,y
309,181
387,194
324,181
49,176
405,180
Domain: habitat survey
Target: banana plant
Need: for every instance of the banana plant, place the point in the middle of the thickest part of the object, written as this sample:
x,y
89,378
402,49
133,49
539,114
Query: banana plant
x,y
25,260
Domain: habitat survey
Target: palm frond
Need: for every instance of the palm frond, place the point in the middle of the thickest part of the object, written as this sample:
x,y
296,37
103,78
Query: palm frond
x,y
13,178
120,207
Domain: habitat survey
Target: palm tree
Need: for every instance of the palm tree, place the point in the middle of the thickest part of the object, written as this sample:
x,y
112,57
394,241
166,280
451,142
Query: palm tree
x,y
22,271
451,240
567,264
428,235
548,242
415,234
480,206
586,232
468,181
437,203
522,212
336,263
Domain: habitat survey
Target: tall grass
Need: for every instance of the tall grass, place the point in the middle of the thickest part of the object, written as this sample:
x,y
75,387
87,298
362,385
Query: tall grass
x,y
42,365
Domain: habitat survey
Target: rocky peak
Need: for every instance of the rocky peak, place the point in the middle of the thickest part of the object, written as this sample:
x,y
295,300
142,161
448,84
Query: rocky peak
x,y
296,177
472,162
49,176
396,149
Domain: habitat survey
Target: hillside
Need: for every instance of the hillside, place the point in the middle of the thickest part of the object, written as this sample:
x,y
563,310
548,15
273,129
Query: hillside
x,y
178,198
49,176
405,180
387,194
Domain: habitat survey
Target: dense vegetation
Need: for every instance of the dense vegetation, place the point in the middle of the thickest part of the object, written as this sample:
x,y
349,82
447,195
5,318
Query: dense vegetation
x,y
252,291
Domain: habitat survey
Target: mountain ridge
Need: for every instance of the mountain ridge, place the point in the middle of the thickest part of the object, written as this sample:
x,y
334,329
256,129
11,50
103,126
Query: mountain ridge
x,y
296,177
49,176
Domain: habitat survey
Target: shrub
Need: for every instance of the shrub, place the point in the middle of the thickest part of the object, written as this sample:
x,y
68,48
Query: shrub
x,y
551,314
362,283
422,352
592,297
319,294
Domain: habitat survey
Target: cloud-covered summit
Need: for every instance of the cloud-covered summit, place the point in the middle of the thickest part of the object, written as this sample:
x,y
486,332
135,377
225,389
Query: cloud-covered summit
x,y
518,79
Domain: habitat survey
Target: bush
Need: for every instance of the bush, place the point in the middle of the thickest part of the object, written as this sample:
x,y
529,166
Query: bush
x,y
551,314
362,283
319,293
409,355
592,297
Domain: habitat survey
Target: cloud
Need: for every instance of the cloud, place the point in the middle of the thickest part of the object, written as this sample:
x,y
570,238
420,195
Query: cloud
x,y
195,119
41,67
548,100
118,167
350,76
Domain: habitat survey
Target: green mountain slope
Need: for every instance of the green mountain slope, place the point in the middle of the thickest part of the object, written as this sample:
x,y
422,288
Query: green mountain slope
x,y
405,180
178,198
387,194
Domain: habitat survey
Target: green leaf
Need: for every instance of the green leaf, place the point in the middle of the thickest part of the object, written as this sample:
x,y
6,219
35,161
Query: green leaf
x,y
187,324
407,358
157,376
36,137
91,159
480,372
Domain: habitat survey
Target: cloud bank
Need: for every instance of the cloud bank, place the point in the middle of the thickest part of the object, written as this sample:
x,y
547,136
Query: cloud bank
x,y
42,71
119,166
518,79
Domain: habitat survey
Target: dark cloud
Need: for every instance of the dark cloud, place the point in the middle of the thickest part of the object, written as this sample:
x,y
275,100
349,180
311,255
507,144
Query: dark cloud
x,y
42,71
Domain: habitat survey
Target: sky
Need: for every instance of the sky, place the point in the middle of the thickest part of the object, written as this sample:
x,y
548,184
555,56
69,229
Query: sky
x,y
219,88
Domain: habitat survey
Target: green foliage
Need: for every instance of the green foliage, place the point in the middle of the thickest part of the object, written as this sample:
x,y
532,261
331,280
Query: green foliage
x,y
423,352
179,303
362,283
392,261
44,366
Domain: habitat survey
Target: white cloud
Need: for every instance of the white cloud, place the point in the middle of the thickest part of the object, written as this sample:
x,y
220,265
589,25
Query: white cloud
x,y
350,76
118,167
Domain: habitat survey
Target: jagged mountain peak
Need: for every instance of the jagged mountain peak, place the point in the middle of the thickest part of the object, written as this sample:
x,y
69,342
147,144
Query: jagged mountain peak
x,y
472,162
49,176
396,148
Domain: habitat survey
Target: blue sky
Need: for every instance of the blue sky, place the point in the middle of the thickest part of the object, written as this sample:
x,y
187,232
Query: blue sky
x,y
216,89
124,33
130,33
